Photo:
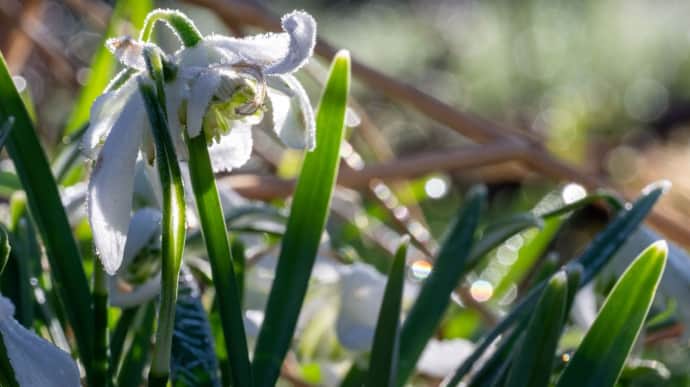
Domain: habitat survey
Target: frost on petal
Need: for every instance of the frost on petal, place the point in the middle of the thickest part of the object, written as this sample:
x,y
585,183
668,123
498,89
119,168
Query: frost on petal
x,y
105,111
360,300
35,361
293,116
129,51
302,30
200,96
111,185
280,53
233,150
440,358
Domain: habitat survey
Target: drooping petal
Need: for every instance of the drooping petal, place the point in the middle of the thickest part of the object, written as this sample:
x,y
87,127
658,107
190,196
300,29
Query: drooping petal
x,y
361,295
281,53
144,230
35,361
147,186
105,111
293,116
135,296
200,96
129,51
302,30
233,150
111,184
176,92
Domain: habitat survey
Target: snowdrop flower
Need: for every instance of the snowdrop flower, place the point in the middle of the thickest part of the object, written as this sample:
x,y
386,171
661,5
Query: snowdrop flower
x,y
362,290
134,283
218,88
361,295
441,358
35,361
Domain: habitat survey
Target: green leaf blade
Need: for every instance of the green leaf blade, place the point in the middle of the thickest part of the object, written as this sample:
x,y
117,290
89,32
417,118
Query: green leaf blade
x,y
305,225
434,296
600,358
47,212
533,360
384,353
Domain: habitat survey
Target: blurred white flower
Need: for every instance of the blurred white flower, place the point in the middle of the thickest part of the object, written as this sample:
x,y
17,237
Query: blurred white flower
x,y
220,89
440,358
35,361
360,299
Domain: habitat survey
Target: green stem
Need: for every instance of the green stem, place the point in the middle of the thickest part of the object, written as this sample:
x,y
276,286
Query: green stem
x,y
224,278
173,226
101,357
177,21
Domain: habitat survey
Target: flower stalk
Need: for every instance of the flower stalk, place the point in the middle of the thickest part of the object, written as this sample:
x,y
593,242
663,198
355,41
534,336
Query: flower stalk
x,y
173,223
215,236
183,27
101,358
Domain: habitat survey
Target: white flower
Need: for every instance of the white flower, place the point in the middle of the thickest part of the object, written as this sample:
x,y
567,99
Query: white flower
x,y
221,88
134,284
35,361
440,358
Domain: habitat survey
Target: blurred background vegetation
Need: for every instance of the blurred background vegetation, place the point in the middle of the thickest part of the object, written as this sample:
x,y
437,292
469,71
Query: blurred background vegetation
x,y
603,84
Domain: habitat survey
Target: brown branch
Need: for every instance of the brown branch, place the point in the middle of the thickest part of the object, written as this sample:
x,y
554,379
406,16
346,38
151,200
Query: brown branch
x,y
269,187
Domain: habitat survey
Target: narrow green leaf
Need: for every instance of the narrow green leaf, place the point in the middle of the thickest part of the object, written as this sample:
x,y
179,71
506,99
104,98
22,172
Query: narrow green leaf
x,y
173,230
136,348
600,358
101,352
498,234
48,214
591,261
532,363
103,63
384,352
4,248
220,257
434,297
305,226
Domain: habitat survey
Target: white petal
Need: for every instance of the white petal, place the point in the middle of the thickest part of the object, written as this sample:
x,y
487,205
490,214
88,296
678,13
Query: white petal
x,y
293,116
35,361
111,184
233,150
105,111
302,30
137,296
147,186
176,92
200,97
277,53
440,358
144,228
360,300
128,51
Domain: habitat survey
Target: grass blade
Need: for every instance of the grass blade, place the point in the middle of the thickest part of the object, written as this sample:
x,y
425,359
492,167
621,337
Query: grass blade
x,y
384,353
533,360
434,297
304,228
600,358
592,261
220,257
49,215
